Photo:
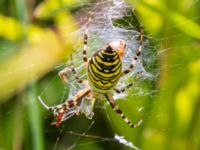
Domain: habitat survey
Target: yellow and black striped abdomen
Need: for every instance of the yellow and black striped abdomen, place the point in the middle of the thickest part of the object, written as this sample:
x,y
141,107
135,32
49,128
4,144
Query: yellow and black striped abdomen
x,y
104,70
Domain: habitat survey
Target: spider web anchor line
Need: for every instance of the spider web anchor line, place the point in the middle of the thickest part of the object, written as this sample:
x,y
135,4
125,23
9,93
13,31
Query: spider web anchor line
x,y
117,138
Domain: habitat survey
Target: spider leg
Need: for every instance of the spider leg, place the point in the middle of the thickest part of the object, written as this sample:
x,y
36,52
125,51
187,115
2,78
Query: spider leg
x,y
85,42
73,69
80,95
59,119
70,107
138,53
119,111
58,111
137,77
64,73
62,111
123,89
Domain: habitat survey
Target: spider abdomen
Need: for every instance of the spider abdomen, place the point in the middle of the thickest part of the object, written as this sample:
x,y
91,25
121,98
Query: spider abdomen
x,y
104,70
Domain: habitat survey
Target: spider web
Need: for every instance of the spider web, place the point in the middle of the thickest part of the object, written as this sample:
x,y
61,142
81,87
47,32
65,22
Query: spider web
x,y
113,17
110,20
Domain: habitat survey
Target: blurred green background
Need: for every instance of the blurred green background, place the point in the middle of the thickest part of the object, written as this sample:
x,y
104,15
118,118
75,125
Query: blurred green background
x,y
34,42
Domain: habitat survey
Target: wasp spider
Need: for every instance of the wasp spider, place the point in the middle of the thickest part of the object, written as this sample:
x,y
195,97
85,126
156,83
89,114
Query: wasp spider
x,y
104,69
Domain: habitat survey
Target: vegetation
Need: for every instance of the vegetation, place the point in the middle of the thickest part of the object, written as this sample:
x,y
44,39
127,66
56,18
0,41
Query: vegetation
x,y
34,41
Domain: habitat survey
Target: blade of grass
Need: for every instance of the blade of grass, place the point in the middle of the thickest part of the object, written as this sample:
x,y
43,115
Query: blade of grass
x,y
35,119
182,23
22,14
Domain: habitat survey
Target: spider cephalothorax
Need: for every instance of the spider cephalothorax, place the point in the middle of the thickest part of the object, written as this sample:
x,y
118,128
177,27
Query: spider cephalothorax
x,y
104,69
